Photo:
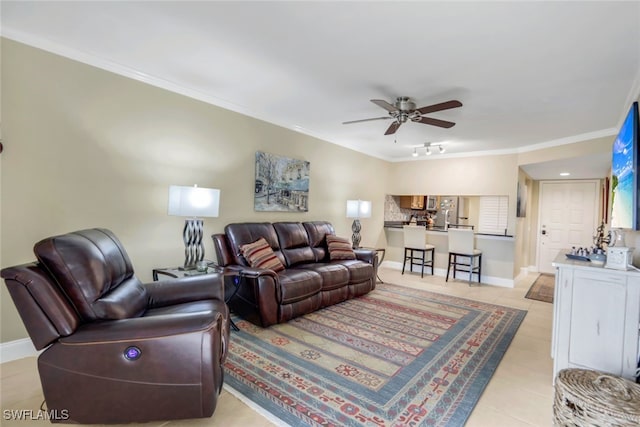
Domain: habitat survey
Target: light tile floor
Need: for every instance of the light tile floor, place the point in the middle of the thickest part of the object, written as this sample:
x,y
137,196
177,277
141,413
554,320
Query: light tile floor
x,y
520,392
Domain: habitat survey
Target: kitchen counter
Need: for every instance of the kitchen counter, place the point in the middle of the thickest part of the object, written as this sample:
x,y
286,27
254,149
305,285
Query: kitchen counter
x,y
497,253
435,228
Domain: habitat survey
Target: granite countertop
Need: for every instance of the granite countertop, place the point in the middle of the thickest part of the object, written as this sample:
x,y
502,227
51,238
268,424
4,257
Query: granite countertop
x,y
399,224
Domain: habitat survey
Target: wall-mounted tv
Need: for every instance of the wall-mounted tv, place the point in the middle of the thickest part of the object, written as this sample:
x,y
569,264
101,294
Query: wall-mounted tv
x,y
625,174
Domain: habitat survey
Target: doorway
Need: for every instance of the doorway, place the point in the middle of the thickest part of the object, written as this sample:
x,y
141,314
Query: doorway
x,y
567,218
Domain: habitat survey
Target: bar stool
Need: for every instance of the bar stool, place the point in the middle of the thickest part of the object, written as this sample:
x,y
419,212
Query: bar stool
x,y
415,237
461,245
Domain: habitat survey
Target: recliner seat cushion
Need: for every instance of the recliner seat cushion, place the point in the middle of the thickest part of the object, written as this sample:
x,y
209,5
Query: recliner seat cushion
x,y
296,284
359,271
333,275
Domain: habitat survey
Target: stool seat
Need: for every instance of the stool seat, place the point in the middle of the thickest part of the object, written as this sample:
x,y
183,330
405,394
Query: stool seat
x,y
416,248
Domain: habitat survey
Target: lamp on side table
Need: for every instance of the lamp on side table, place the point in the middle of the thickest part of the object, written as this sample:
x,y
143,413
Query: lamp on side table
x,y
357,209
193,202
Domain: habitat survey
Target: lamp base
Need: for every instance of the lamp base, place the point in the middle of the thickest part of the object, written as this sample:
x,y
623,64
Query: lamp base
x,y
193,247
355,237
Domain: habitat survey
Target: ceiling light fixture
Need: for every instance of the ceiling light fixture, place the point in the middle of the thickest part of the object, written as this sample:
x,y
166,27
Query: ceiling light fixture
x,y
428,145
415,152
564,174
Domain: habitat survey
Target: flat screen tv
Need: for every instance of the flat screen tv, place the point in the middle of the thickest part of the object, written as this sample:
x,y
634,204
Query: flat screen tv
x,y
625,173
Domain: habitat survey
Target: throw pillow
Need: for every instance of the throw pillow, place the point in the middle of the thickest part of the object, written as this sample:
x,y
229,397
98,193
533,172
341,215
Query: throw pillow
x,y
339,248
260,255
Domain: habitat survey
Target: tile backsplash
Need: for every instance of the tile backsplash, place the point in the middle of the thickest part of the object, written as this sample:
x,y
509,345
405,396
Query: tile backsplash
x,y
393,211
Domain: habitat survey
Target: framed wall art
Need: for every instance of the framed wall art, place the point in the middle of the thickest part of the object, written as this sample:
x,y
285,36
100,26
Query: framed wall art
x,y
282,184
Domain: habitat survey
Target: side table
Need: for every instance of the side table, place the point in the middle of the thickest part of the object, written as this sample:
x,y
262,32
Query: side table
x,y
380,252
178,273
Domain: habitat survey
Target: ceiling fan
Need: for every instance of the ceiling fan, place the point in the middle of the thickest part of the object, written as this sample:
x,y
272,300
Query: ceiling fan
x,y
405,109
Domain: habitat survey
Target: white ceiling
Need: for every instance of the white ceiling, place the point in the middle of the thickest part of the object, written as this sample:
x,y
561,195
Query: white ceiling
x,y
528,73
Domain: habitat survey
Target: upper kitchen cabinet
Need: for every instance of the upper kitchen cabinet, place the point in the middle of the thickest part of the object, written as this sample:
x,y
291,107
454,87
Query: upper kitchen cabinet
x,y
412,202
429,203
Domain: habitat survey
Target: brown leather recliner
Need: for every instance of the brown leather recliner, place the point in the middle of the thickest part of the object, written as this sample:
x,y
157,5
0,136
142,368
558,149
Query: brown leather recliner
x,y
117,350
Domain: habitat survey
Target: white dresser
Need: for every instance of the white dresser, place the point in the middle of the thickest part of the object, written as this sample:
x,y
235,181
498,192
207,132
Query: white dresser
x,y
596,318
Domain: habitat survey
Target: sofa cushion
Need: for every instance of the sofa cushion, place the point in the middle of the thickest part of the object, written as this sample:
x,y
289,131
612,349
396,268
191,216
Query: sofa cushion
x,y
297,284
359,271
317,232
294,243
333,275
260,255
339,248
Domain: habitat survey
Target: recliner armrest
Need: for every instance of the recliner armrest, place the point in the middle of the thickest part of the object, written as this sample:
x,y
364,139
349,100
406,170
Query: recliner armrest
x,y
142,328
187,289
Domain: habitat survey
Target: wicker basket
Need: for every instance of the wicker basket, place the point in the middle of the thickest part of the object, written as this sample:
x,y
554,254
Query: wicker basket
x,y
592,398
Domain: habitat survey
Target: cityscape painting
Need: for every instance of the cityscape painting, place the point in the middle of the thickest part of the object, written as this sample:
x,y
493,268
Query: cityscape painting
x,y
282,184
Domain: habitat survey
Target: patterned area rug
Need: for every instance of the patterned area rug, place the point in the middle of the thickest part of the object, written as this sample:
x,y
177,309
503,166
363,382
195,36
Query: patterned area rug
x,y
396,356
543,288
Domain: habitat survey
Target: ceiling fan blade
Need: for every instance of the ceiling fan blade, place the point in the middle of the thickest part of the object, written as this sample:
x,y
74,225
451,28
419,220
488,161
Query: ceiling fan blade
x,y
384,104
393,128
367,120
435,122
439,107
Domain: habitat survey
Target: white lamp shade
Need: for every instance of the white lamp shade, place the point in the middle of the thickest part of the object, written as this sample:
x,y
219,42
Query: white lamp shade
x,y
193,201
358,209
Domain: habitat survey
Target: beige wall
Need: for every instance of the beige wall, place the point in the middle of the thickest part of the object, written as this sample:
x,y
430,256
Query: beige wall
x,y
86,148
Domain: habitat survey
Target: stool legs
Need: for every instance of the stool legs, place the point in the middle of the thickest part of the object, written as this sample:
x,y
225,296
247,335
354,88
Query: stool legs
x,y
422,260
453,261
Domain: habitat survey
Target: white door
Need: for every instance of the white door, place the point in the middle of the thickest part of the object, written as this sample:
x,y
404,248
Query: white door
x,y
568,217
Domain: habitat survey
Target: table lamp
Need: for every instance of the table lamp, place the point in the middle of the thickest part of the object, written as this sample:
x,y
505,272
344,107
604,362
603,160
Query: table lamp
x,y
193,202
357,209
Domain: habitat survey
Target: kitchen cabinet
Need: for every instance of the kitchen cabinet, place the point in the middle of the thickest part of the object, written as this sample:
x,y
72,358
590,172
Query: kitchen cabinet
x,y
596,319
412,202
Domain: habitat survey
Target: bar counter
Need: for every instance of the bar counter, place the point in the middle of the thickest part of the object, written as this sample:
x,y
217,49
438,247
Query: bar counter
x,y
498,252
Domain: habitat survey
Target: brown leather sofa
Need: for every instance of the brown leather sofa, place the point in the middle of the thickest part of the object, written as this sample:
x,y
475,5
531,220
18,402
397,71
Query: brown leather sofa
x,y
117,350
309,281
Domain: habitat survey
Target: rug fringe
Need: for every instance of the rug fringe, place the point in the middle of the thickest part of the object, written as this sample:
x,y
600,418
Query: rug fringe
x,y
260,410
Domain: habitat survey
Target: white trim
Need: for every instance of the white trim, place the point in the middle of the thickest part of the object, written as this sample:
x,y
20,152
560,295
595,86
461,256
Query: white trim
x,y
441,272
18,349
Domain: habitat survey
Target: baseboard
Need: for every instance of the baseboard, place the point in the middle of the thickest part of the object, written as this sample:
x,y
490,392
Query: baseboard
x,y
441,272
18,349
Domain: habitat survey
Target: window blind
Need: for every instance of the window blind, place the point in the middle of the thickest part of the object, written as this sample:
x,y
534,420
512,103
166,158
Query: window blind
x,y
493,214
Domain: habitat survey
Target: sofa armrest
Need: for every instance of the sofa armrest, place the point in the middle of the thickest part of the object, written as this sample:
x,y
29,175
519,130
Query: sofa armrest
x,y
258,293
366,255
185,289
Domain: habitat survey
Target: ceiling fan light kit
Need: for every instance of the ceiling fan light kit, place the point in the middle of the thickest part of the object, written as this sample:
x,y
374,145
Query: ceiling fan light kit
x,y
404,110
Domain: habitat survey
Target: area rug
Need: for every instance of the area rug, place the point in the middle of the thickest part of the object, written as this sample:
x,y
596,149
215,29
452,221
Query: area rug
x,y
543,288
396,356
